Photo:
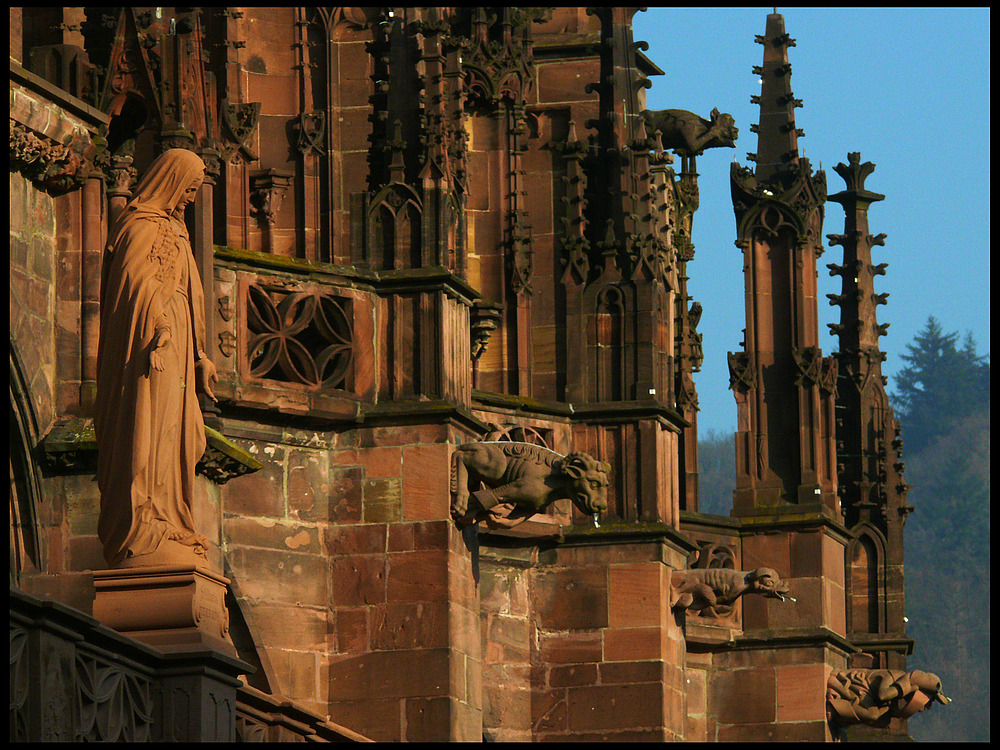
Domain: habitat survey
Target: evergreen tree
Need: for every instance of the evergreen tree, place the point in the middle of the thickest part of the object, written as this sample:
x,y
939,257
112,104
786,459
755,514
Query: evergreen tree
x,y
943,400
941,385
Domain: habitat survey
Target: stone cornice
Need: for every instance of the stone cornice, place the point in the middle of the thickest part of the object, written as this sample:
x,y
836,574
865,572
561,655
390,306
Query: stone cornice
x,y
54,137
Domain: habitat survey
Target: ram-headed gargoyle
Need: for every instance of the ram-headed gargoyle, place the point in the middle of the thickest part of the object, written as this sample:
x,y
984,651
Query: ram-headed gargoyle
x,y
711,592
687,133
525,476
874,696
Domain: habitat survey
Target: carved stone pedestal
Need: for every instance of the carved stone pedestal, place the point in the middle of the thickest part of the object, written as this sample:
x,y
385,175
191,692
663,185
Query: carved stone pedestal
x,y
173,608
180,611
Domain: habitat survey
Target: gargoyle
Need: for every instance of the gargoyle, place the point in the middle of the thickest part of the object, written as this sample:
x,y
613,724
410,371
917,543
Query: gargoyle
x,y
874,696
687,133
524,475
711,592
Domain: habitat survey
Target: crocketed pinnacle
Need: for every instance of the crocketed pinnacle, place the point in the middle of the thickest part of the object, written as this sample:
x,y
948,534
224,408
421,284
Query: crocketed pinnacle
x,y
777,137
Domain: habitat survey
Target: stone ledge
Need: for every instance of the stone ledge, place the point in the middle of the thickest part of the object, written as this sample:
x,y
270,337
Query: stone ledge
x,y
70,447
623,532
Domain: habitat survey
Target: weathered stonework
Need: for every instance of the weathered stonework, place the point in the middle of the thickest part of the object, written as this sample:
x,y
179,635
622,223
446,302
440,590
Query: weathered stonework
x,y
423,231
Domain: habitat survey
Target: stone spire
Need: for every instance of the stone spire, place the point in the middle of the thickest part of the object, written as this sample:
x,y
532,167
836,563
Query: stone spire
x,y
777,136
782,382
869,449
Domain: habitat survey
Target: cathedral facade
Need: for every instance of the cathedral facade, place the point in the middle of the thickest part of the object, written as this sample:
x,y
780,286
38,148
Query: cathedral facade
x,y
434,242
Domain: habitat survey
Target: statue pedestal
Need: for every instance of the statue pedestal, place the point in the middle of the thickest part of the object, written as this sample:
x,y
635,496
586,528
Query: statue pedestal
x,y
173,608
179,609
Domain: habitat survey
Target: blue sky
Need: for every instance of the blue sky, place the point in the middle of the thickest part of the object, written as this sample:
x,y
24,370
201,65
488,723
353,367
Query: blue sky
x,y
907,87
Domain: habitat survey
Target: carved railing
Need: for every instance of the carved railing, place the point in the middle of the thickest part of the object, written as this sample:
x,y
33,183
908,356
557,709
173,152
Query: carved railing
x,y
75,680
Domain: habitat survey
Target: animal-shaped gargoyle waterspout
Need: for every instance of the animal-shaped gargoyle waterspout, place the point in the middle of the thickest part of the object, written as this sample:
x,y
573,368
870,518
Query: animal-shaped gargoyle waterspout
x,y
874,696
524,478
712,592
687,133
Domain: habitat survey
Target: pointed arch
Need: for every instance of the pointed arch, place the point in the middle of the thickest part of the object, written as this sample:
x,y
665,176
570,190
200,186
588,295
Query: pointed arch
x,y
26,546
865,577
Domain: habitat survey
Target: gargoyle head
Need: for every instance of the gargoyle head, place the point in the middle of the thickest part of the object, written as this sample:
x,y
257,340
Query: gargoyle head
x,y
588,486
766,582
929,683
725,128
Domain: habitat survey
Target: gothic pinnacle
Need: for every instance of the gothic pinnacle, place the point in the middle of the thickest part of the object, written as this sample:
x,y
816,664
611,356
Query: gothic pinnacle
x,y
777,136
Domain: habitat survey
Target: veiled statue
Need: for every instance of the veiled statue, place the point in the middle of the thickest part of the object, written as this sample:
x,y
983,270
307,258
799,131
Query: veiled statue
x,y
151,364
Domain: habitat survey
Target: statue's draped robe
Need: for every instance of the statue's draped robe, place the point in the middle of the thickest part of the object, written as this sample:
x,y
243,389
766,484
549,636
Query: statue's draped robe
x,y
149,426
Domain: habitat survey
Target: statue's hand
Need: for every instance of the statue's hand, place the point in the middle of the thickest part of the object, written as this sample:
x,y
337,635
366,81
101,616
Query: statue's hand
x,y
207,376
160,339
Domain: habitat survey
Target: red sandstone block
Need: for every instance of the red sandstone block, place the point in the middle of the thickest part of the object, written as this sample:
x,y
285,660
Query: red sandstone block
x,y
345,501
409,625
381,500
745,696
767,550
633,644
392,674
812,731
631,672
363,539
308,485
256,532
833,560
572,675
382,462
292,627
512,634
571,648
429,535
400,537
429,719
274,575
563,82
357,580
462,582
806,554
355,129
835,606
549,711
506,711
418,576
296,673
352,630
697,692
85,553
277,96
466,630
426,482
358,91
495,585
636,595
801,691
569,599
610,707
260,493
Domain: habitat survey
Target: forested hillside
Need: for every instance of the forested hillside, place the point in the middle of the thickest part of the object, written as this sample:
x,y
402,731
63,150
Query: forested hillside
x,y
716,472
943,400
